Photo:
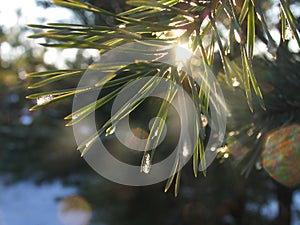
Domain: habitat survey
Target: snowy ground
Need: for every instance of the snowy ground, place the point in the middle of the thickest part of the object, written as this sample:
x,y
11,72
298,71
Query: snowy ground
x,y
26,203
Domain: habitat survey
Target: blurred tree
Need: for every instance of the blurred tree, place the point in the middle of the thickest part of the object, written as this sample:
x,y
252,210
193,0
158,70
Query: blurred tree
x,y
25,136
270,138
223,197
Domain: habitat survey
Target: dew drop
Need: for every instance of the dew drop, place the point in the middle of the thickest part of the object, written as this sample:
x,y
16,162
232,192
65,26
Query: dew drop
x,y
74,117
204,120
110,130
258,165
193,4
44,99
223,149
155,134
258,135
235,82
87,145
122,26
146,165
231,133
226,155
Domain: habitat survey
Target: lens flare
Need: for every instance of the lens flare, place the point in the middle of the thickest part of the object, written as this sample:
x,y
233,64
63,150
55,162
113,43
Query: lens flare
x,y
183,53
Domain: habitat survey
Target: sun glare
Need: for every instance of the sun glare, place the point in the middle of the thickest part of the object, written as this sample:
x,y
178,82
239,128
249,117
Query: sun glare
x,y
183,53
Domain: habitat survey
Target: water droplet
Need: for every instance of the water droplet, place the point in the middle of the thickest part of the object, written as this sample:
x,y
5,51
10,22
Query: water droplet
x,y
146,165
87,145
110,130
226,155
289,34
258,135
235,82
223,149
258,165
204,120
155,134
231,133
44,99
122,26
193,4
74,117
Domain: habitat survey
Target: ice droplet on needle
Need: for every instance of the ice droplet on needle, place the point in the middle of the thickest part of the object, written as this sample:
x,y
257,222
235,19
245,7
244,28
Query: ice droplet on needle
x,y
110,130
44,99
146,164
235,82
204,120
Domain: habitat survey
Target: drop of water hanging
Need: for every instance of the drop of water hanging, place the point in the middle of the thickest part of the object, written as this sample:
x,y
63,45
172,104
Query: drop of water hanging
x,y
146,165
44,99
122,26
235,82
110,130
74,117
258,135
258,165
155,134
204,120
223,149
226,155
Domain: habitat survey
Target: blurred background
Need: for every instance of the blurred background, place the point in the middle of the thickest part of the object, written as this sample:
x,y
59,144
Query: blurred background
x,y
43,179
